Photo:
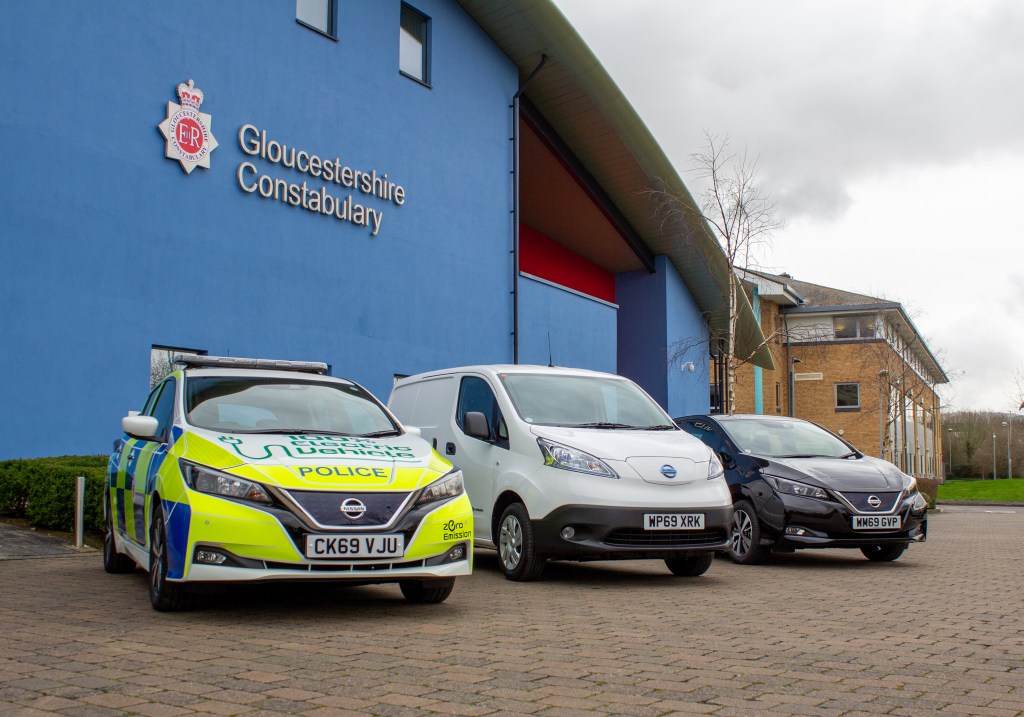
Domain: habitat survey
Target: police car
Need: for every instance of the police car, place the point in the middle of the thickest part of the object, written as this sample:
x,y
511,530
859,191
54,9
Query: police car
x,y
257,470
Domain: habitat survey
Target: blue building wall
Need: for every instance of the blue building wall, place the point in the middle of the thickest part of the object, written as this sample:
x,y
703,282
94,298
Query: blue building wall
x,y
582,330
661,328
108,247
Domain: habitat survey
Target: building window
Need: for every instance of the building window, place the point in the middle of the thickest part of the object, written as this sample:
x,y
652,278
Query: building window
x,y
317,15
847,396
778,397
854,326
413,45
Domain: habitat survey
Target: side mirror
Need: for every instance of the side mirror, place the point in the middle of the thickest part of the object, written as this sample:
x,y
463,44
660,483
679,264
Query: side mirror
x,y
476,426
728,462
412,430
140,426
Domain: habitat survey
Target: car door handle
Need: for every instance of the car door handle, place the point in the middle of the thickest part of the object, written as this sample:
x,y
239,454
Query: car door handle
x,y
449,449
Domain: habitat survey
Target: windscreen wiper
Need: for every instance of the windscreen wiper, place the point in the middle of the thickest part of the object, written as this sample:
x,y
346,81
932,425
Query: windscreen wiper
x,y
601,424
300,432
381,434
661,427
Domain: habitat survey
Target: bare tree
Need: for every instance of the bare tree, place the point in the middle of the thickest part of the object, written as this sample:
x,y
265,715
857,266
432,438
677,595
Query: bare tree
x,y
1017,395
741,217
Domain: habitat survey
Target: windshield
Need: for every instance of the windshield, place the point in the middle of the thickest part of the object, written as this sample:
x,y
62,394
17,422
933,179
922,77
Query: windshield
x,y
282,405
583,402
785,439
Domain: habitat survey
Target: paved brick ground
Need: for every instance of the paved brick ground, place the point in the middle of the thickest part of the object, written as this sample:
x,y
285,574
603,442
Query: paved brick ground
x,y
938,632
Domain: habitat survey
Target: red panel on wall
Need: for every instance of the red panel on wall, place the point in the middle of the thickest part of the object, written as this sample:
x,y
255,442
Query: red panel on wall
x,y
547,259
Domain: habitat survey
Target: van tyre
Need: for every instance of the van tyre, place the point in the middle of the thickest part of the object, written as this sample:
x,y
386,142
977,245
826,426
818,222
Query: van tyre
x,y
426,592
113,561
884,553
745,536
517,550
164,595
690,567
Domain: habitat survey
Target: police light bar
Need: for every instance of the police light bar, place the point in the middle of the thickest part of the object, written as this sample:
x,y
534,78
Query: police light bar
x,y
191,360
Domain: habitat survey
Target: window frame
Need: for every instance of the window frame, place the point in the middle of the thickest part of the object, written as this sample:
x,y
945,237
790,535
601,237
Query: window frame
x,y
494,421
426,45
836,396
859,321
332,21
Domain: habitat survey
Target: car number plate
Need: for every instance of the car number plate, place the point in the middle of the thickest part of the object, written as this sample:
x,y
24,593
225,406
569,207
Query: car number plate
x,y
355,546
673,521
876,522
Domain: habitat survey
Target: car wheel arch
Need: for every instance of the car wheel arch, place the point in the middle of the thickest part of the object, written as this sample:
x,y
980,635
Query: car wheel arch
x,y
507,498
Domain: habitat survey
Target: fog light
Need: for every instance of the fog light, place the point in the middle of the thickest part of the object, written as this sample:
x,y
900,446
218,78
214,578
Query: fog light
x,y
211,557
791,530
457,553
568,532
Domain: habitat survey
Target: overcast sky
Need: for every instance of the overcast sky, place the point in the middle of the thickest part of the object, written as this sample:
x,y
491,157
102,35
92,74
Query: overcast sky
x,y
890,132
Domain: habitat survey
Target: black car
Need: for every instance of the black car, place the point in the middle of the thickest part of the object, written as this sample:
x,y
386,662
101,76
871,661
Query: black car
x,y
796,485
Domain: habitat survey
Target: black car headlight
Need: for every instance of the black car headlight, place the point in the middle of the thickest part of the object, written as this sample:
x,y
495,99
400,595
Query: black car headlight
x,y
207,480
447,486
909,484
792,487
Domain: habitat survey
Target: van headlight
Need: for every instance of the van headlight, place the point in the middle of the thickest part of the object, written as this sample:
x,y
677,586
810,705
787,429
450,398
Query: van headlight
x,y
715,467
207,480
447,486
571,459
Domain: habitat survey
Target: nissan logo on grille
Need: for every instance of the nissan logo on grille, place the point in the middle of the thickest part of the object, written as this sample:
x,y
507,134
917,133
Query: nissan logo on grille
x,y
874,501
668,471
353,508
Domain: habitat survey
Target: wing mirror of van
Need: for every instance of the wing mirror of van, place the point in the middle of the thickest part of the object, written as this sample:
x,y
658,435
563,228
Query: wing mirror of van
x,y
476,426
412,430
140,426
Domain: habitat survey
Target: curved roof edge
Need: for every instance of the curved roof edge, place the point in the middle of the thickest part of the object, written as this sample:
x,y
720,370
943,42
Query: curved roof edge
x,y
579,99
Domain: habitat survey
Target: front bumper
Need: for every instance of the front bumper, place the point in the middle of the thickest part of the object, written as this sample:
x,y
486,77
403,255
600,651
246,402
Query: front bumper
x,y
603,533
827,524
265,544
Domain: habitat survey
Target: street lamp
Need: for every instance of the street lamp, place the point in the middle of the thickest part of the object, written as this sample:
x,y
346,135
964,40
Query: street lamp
x,y
1009,458
993,456
950,432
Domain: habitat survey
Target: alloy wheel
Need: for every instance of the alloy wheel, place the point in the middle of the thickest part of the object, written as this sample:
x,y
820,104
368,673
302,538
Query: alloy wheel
x,y
510,542
742,533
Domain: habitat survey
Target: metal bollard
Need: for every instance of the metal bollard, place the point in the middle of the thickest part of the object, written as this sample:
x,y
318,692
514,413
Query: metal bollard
x,y
80,511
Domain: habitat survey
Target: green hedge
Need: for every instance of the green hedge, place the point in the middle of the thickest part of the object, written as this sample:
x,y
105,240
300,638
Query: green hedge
x,y
43,490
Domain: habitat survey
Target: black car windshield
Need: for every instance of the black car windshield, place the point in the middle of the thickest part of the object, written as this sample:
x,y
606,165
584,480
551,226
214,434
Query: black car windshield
x,y
780,438
242,404
601,402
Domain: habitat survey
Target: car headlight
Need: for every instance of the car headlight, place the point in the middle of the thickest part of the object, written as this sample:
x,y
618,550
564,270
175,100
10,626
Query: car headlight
x,y
571,459
909,484
792,487
206,480
715,467
447,486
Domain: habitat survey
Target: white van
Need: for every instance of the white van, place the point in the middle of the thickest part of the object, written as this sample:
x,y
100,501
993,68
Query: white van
x,y
571,464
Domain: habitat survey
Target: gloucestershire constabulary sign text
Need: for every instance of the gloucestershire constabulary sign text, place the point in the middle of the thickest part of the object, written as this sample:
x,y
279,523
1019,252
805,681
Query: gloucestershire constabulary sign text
x,y
187,130
256,144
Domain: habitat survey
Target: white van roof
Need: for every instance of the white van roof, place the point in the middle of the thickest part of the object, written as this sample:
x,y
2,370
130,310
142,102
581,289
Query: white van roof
x,y
495,369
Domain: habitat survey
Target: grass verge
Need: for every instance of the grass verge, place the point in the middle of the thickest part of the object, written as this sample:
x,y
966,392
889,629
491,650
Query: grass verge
x,y
1000,490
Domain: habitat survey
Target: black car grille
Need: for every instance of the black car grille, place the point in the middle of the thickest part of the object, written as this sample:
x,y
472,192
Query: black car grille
x,y
860,501
636,537
325,507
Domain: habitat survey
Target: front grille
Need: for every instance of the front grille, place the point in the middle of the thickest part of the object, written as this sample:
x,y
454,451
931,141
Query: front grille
x,y
325,507
860,501
346,568
635,537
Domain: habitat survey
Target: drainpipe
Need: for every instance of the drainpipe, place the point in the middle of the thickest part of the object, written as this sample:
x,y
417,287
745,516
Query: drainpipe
x,y
515,206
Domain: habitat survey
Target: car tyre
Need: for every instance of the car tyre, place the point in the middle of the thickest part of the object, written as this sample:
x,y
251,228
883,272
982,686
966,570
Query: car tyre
x,y
164,595
745,536
517,551
884,553
690,567
113,561
426,592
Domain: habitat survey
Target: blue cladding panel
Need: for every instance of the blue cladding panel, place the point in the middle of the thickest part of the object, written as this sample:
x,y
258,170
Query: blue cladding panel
x,y
582,330
108,247
660,329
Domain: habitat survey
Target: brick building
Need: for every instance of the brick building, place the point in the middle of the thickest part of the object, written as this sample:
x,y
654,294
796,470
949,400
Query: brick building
x,y
853,363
